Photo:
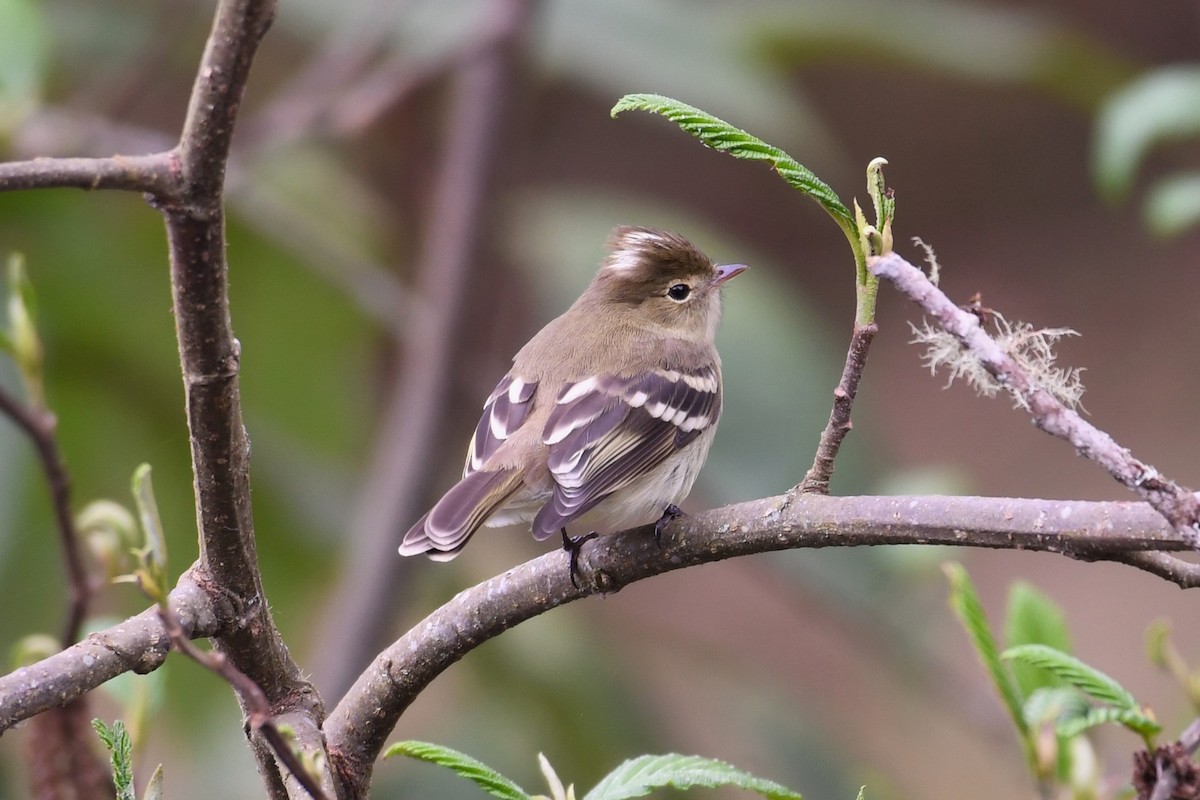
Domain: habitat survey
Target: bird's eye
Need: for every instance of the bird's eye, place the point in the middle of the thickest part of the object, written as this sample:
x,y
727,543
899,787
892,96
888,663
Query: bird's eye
x,y
679,292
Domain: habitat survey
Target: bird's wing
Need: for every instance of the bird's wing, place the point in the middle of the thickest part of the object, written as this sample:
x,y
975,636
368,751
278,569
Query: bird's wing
x,y
504,412
450,523
607,431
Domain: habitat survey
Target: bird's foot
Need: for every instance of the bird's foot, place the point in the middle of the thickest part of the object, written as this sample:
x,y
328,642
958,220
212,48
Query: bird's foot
x,y
573,544
669,515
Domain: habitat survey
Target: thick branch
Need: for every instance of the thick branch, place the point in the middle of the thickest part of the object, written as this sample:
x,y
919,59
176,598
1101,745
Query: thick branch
x,y
1178,506
357,728
139,644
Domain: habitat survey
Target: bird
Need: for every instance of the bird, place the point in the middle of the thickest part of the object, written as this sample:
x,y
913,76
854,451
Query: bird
x,y
607,414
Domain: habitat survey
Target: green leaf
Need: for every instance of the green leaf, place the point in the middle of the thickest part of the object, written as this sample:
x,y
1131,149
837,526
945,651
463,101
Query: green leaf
x,y
153,554
23,338
1078,674
1050,706
1135,721
965,604
1173,204
1162,105
482,775
721,136
116,739
637,777
1033,618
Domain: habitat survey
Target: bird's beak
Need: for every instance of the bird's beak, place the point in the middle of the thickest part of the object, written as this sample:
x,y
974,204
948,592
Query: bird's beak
x,y
727,271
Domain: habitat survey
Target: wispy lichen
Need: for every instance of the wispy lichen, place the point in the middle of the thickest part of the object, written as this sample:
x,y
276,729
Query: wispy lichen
x,y
1031,348
935,269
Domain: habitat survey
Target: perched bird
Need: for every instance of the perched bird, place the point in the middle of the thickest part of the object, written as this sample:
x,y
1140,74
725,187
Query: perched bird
x,y
607,414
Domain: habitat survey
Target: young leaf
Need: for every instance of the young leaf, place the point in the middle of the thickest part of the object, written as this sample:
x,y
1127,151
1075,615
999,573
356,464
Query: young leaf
x,y
116,739
637,777
1083,677
965,604
154,788
482,775
1135,721
721,136
1033,618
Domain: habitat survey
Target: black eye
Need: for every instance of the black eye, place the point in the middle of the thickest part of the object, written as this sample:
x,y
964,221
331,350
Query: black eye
x,y
679,292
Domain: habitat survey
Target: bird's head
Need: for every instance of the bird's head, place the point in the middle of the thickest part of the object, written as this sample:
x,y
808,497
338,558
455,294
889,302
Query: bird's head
x,y
663,280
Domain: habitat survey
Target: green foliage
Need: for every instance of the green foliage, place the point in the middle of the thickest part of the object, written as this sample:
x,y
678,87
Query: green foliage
x,y
636,777
1163,653
22,340
1032,618
151,571
1161,106
1126,710
965,603
116,739
720,135
477,772
1049,693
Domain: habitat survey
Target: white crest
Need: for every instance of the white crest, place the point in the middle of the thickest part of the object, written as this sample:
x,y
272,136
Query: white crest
x,y
627,254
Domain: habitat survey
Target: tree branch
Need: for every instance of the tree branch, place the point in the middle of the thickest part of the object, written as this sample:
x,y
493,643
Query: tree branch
x,y
1090,531
209,355
1179,507
139,644
261,720
153,174
39,425
816,480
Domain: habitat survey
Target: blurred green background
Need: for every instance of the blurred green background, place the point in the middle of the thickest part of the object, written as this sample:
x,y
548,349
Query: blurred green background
x,y
821,669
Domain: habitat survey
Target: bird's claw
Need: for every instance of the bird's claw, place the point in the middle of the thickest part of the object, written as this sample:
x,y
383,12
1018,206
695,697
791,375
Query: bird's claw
x,y
669,515
573,544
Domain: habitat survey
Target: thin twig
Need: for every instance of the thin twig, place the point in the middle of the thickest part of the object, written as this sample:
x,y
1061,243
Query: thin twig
x,y
353,628
252,697
1184,574
151,174
40,426
816,480
1178,506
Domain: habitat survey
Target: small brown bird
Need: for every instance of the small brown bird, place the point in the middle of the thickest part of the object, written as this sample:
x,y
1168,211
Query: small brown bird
x,y
607,414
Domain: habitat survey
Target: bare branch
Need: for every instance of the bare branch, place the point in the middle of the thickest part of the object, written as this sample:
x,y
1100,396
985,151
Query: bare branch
x,y
152,174
816,481
251,695
139,644
40,426
356,729
1177,505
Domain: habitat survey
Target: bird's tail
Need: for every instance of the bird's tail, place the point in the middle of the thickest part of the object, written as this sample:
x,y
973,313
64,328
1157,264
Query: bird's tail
x,y
444,531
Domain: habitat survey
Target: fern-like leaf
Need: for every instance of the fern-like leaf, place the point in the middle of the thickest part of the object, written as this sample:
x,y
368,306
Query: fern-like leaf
x,y
966,606
1078,674
475,771
637,777
721,136
1135,721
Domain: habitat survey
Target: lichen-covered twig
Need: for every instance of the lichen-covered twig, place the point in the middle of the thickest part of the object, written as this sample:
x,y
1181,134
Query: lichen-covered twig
x,y
1178,506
